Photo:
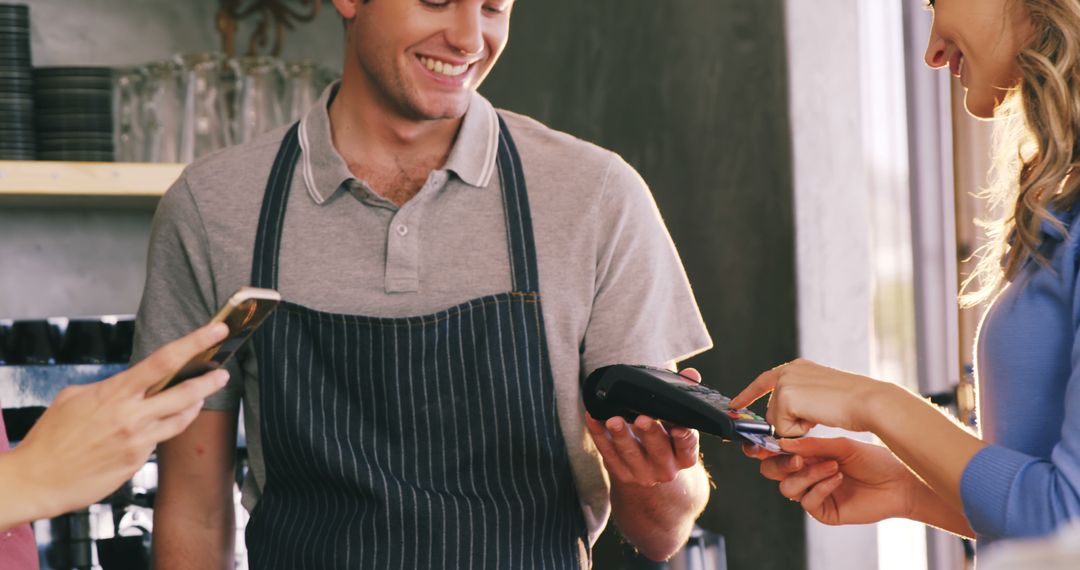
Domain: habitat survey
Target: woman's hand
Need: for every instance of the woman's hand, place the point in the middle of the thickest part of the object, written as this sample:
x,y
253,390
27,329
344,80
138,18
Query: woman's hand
x,y
840,480
93,437
805,394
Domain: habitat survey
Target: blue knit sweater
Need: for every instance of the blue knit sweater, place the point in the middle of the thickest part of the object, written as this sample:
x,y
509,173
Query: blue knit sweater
x,y
1027,481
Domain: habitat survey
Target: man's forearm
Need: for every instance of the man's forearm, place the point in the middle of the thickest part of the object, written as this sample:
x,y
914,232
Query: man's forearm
x,y
181,542
194,518
658,519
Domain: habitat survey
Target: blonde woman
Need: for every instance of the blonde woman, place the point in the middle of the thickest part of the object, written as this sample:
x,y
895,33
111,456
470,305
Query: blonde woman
x,y
1019,60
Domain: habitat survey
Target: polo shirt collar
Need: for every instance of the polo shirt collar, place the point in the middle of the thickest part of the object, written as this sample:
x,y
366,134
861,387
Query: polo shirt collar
x,y
472,157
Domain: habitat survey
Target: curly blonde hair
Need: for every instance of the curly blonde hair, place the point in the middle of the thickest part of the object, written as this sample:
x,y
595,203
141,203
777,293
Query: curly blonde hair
x,y
1036,148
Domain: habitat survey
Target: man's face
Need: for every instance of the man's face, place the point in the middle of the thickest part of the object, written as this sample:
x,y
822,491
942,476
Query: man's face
x,y
423,57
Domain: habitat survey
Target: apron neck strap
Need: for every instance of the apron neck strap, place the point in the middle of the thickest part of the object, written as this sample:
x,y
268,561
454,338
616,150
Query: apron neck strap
x,y
519,231
264,267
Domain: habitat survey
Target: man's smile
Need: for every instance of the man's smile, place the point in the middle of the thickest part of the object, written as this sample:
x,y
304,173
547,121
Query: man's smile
x,y
443,67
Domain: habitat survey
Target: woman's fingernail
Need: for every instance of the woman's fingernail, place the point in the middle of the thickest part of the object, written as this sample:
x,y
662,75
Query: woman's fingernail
x,y
615,424
221,377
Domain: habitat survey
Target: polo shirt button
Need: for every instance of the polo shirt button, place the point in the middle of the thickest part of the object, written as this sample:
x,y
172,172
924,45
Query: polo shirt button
x,y
402,229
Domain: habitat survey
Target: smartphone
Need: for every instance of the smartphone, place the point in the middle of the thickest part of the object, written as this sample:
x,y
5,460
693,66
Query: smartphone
x,y
245,310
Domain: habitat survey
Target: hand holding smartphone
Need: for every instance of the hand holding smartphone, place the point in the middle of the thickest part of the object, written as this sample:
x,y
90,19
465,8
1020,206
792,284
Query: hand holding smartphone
x,y
243,313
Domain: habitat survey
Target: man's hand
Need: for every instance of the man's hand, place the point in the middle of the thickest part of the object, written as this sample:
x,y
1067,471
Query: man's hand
x,y
649,453
658,486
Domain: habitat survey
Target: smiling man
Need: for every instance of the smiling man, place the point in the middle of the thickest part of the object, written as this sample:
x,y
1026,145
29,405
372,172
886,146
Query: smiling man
x,y
451,272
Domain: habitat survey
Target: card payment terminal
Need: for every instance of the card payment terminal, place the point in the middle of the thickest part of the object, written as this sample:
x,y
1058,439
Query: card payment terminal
x,y
628,391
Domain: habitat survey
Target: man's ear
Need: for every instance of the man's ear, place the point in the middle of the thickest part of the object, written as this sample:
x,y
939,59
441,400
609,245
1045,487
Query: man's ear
x,y
347,8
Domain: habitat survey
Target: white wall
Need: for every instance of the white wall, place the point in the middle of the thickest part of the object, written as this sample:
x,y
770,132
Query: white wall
x,y
832,214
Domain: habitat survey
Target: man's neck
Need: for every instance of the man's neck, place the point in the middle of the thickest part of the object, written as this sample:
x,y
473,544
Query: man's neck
x,y
365,131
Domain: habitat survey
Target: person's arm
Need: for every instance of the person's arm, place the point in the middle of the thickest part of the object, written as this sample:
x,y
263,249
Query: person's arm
x,y
643,312
806,394
658,486
194,519
193,514
107,429
843,481
657,519
1002,492
906,423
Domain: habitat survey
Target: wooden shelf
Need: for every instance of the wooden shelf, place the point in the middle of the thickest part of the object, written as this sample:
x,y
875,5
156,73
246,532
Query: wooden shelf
x,y
36,180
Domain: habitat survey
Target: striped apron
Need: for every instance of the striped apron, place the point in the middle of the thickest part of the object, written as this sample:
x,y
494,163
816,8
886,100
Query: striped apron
x,y
418,442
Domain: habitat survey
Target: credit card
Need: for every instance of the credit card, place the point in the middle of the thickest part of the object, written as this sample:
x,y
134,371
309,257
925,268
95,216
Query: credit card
x,y
768,443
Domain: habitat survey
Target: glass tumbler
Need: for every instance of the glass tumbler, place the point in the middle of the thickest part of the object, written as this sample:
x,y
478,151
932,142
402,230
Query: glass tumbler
x,y
301,88
162,100
260,94
204,124
127,114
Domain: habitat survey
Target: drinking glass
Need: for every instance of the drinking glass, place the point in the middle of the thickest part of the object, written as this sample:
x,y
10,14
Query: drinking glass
x,y
301,88
204,125
162,109
127,114
259,99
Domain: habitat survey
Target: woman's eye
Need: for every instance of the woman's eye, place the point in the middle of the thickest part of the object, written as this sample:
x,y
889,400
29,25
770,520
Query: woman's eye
x,y
435,3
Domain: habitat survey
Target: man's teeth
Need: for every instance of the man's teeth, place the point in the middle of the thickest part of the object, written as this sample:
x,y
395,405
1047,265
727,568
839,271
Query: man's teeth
x,y
443,68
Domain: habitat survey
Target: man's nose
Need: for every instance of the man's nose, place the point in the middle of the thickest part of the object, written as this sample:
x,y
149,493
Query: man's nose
x,y
466,34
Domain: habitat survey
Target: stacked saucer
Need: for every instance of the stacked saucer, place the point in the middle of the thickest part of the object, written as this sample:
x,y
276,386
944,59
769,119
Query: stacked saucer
x,y
73,112
16,93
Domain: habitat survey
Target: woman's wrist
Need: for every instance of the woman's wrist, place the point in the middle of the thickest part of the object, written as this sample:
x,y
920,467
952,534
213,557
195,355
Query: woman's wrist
x,y
874,405
929,508
19,491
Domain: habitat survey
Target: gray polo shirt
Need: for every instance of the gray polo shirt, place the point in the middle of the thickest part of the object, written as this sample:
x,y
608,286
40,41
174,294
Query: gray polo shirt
x,y
613,287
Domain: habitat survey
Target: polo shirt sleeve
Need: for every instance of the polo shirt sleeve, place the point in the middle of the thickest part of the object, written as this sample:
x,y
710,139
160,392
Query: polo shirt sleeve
x,y
179,294
1008,494
643,309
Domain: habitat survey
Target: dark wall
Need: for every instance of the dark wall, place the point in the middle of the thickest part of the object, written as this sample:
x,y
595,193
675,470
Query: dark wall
x,y
693,93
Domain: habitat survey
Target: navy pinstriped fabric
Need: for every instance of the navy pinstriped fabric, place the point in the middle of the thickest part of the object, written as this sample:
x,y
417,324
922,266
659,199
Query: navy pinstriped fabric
x,y
419,442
